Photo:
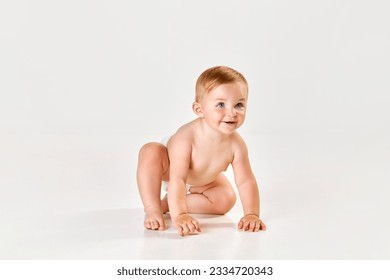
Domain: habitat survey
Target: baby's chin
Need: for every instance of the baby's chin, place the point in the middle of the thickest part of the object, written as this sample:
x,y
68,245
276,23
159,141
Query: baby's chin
x,y
229,127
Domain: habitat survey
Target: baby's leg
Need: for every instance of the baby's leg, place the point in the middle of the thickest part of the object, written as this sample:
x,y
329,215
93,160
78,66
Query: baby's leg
x,y
218,197
153,167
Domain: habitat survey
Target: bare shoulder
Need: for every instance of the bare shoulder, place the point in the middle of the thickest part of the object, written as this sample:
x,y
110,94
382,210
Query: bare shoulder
x,y
183,138
238,145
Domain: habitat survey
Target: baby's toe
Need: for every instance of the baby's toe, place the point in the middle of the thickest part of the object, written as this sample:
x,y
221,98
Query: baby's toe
x,y
162,226
155,225
147,225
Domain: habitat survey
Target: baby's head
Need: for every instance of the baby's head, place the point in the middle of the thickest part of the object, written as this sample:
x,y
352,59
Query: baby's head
x,y
216,76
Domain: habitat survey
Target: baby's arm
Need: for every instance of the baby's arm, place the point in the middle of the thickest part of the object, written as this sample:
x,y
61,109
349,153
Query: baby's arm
x,y
248,190
179,151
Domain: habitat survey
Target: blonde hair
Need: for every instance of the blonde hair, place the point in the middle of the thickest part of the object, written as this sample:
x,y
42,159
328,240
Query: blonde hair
x,y
216,76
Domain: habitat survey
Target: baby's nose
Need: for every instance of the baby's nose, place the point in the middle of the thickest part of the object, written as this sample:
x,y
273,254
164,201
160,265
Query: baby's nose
x,y
232,112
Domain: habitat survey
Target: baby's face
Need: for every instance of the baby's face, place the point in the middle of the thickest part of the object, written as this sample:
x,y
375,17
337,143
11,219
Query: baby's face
x,y
224,107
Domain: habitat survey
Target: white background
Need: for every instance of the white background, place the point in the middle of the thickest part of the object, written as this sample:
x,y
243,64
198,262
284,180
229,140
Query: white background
x,y
83,84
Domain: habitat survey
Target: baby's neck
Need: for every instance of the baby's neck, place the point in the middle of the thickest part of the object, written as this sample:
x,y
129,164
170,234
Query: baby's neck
x,y
210,134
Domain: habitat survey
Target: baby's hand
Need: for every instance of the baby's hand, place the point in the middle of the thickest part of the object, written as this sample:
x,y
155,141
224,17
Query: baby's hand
x,y
251,222
185,224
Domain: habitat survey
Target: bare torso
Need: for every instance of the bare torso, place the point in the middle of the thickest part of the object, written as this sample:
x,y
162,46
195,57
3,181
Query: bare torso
x,y
208,158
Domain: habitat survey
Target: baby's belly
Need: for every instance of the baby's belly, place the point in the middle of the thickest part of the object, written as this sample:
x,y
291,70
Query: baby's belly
x,y
203,177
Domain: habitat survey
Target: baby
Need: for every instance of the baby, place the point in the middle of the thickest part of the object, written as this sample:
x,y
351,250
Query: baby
x,y
190,165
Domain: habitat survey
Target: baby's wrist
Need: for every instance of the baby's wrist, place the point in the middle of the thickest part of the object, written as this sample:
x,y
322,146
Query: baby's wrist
x,y
178,215
251,214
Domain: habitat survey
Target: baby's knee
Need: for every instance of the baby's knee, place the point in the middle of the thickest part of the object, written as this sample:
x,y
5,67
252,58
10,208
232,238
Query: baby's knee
x,y
226,201
151,150
154,154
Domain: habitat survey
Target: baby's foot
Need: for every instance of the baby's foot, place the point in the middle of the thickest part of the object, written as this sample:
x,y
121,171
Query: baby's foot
x,y
154,219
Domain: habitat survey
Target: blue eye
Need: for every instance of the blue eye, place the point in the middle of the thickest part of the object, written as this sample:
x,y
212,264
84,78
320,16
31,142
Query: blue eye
x,y
240,106
220,105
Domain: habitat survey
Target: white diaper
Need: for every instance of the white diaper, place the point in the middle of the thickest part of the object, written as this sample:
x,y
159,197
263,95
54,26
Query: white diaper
x,y
165,186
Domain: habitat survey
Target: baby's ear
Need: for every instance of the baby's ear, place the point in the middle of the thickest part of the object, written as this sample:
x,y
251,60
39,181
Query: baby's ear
x,y
197,109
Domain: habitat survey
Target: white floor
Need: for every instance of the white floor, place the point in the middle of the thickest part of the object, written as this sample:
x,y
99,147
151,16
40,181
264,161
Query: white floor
x,y
74,196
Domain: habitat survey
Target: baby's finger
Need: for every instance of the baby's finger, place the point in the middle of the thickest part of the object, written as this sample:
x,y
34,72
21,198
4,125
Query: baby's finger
x,y
263,226
252,226
243,224
186,229
257,227
246,226
191,227
180,230
196,225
